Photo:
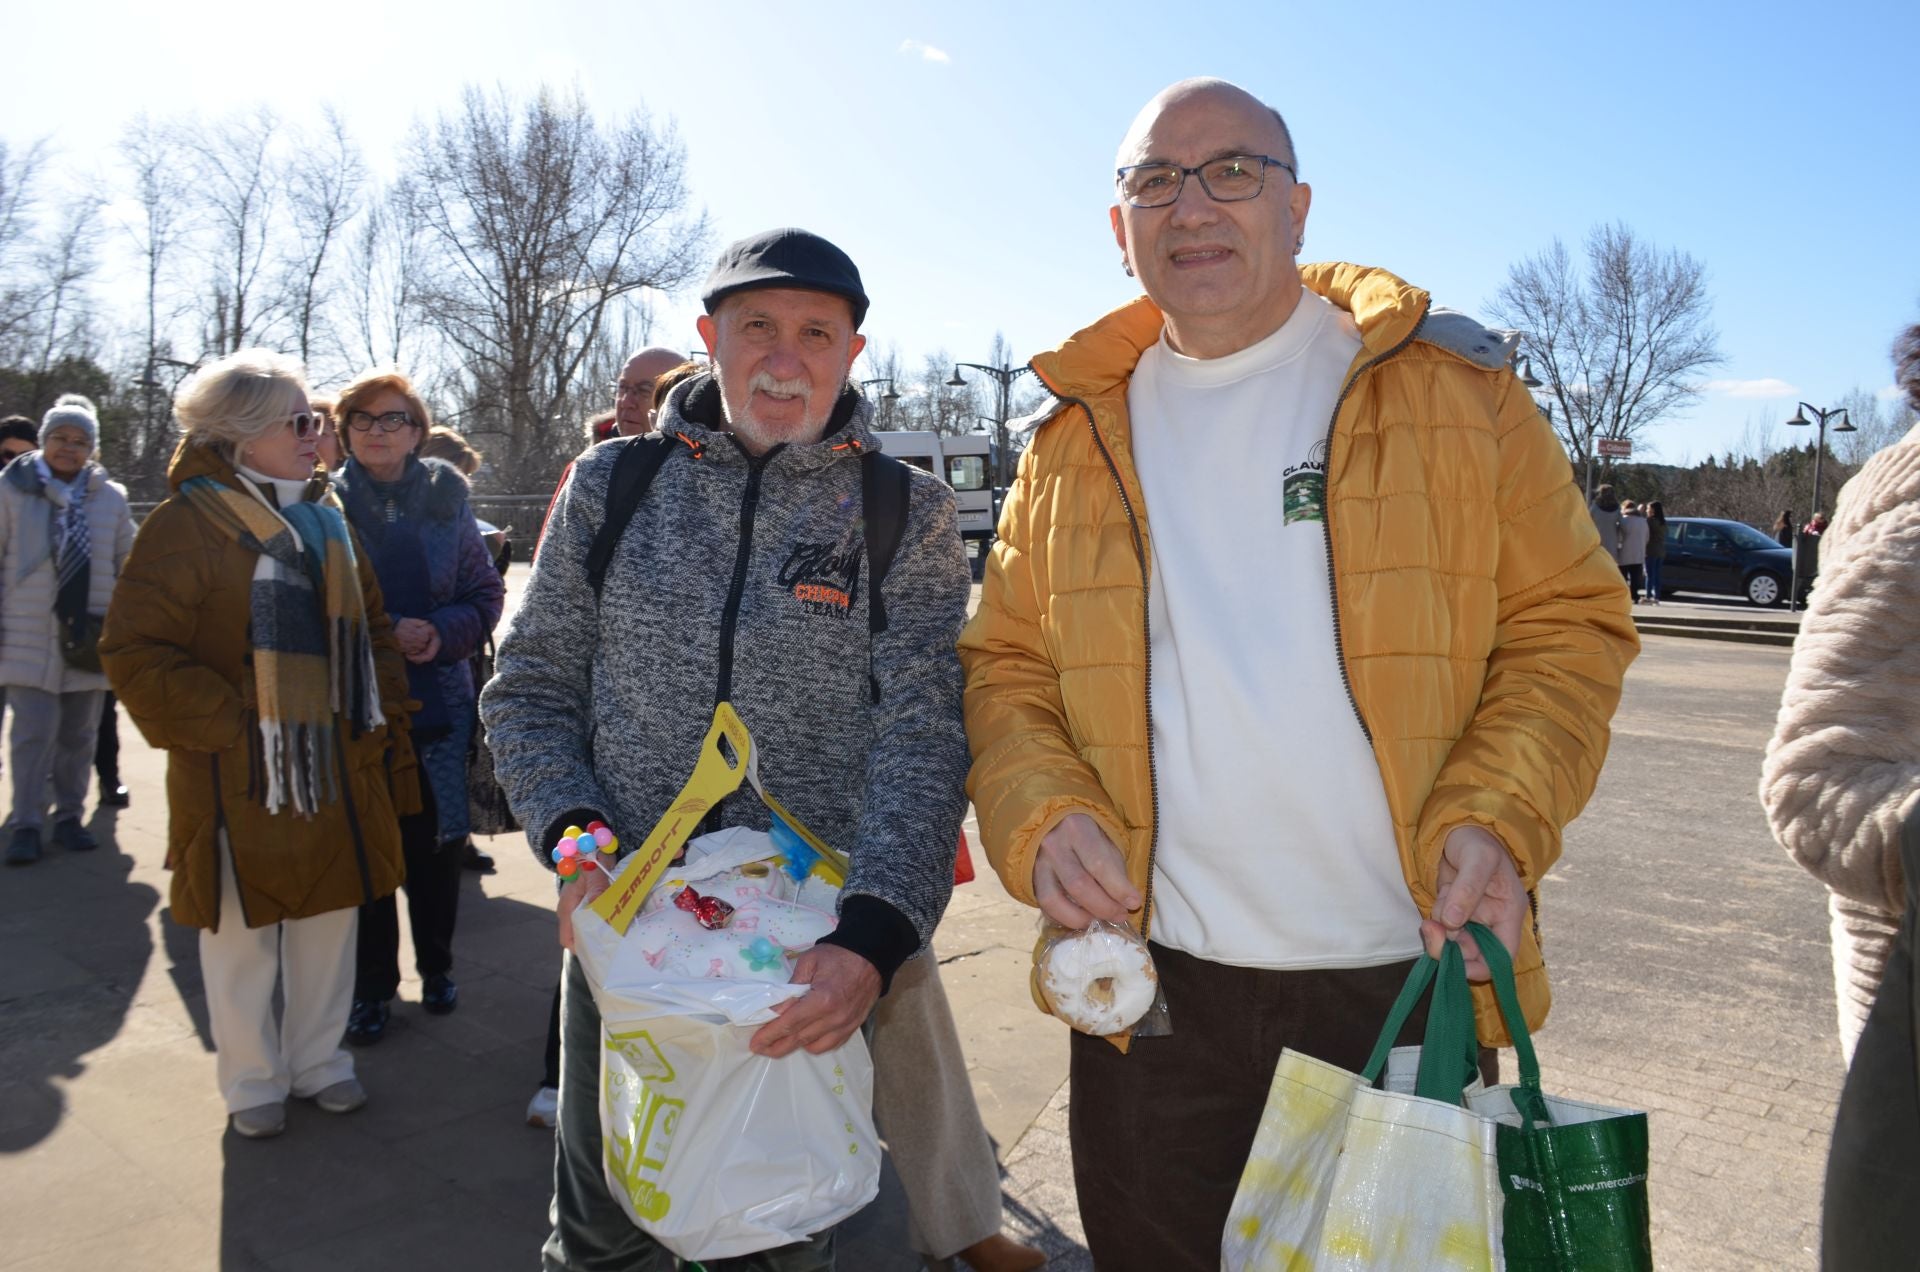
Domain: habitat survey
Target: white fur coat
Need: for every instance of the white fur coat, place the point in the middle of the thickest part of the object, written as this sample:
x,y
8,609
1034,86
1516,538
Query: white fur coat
x,y
1843,768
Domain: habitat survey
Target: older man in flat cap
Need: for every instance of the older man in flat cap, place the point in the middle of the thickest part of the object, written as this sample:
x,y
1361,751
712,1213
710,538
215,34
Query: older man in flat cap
x,y
741,574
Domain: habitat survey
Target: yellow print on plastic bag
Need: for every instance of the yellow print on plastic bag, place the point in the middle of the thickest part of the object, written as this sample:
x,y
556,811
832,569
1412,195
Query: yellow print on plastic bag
x,y
633,1070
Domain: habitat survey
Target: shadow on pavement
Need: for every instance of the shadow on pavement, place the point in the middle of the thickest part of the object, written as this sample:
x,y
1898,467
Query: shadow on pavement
x,y
74,945
440,1169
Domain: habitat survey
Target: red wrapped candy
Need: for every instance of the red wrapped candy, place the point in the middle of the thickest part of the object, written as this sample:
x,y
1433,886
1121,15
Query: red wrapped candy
x,y
711,912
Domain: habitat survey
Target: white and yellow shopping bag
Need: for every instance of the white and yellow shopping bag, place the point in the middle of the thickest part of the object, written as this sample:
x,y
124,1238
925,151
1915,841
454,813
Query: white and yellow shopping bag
x,y
711,1149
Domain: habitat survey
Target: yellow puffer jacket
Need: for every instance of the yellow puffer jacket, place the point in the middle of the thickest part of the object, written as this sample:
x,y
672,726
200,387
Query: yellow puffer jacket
x,y
1484,631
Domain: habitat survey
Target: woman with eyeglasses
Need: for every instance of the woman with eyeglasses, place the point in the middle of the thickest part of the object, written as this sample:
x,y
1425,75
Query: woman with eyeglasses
x,y
64,532
444,596
248,638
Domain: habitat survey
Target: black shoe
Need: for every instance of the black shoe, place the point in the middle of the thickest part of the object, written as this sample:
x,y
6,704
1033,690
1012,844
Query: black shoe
x,y
439,996
71,836
24,848
476,861
367,1022
113,795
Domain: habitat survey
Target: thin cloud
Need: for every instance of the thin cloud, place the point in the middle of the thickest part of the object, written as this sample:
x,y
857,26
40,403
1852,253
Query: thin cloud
x,y
926,51
1768,388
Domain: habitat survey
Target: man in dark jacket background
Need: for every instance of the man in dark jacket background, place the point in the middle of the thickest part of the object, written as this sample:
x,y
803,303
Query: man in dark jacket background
x,y
742,578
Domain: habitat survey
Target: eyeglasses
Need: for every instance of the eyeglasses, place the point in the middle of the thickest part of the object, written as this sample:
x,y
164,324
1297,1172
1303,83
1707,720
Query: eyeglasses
x,y
11,453
389,422
305,425
623,389
1232,179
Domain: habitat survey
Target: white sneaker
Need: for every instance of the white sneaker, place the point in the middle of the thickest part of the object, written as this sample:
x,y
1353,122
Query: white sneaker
x,y
342,1097
544,1108
262,1121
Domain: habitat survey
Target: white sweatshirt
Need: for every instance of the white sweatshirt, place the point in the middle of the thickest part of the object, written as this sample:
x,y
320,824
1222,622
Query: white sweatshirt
x,y
1276,845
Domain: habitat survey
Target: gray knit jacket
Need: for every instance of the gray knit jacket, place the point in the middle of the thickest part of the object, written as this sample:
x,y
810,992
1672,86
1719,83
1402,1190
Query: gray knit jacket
x,y
599,709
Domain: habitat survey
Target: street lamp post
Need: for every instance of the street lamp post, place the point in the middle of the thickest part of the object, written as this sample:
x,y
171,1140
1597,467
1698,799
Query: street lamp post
x,y
1003,378
1800,420
887,399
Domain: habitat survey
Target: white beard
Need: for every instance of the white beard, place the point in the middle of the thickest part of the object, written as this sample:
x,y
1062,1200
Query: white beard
x,y
762,436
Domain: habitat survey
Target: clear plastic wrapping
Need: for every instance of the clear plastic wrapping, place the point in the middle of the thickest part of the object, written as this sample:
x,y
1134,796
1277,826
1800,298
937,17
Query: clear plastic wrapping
x,y
1101,980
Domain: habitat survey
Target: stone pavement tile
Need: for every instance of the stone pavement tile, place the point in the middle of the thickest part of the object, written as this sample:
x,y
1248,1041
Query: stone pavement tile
x,y
450,1232
178,1241
492,1159
322,1179
29,966
148,1096
1040,1208
495,1012
73,1181
1009,1098
422,1077
526,950
28,1111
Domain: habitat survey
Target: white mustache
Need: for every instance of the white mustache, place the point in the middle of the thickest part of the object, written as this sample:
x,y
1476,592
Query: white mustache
x,y
763,382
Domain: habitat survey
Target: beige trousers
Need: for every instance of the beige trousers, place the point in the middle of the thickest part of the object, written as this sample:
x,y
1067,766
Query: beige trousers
x,y
923,1102
260,1060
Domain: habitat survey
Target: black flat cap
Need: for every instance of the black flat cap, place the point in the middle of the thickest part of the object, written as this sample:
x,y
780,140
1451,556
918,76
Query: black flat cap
x,y
786,258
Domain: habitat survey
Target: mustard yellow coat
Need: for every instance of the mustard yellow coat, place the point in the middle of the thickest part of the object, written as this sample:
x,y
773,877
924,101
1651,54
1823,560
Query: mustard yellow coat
x,y
1483,629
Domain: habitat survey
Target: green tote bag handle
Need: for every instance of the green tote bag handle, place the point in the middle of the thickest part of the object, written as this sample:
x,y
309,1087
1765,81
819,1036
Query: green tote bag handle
x,y
1450,1051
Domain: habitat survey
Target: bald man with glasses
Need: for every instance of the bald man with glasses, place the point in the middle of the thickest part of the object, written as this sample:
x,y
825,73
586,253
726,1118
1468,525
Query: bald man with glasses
x,y
1295,653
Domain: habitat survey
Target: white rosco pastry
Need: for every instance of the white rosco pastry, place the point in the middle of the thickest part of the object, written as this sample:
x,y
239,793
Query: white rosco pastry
x,y
1100,980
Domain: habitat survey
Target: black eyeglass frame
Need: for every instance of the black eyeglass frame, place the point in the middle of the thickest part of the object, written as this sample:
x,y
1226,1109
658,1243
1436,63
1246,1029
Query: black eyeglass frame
x,y
1265,162
387,421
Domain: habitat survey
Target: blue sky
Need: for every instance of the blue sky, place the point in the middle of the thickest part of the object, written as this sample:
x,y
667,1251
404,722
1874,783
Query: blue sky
x,y
963,154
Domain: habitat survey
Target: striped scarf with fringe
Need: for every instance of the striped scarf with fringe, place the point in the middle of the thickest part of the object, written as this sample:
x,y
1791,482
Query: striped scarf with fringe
x,y
312,651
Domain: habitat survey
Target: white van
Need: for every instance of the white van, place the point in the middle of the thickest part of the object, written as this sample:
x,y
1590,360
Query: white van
x,y
964,462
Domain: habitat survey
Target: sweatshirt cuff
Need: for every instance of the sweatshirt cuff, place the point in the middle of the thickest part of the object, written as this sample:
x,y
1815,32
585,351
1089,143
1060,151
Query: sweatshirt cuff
x,y
876,932
572,817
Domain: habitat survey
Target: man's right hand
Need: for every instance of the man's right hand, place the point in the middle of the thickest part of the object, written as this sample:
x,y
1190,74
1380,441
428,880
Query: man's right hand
x,y
1079,876
581,890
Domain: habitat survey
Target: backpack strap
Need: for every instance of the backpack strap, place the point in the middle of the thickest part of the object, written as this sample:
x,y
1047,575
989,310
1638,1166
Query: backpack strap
x,y
884,486
633,471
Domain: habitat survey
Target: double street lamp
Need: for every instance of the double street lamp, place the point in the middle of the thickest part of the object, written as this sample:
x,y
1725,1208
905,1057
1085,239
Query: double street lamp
x,y
1003,378
1800,420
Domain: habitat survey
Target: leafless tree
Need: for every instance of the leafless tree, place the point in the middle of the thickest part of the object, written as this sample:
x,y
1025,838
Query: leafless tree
x,y
157,181
323,195
1620,345
237,184
1877,425
20,294
383,266
539,219
63,261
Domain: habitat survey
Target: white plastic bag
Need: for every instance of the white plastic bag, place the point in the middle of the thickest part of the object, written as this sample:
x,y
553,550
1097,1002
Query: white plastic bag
x,y
712,1150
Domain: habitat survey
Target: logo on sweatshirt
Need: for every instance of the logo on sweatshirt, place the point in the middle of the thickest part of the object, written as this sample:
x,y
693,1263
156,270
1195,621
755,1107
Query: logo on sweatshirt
x,y
824,578
1304,487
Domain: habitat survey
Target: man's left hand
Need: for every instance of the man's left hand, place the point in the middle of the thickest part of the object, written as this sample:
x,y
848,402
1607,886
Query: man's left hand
x,y
842,988
1478,883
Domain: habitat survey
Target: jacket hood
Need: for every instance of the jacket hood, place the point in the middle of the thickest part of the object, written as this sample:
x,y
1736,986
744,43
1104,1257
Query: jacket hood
x,y
192,460
692,413
1388,310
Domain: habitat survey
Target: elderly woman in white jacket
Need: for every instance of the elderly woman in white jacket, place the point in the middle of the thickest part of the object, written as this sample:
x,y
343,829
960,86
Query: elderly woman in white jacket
x,y
1843,769
64,532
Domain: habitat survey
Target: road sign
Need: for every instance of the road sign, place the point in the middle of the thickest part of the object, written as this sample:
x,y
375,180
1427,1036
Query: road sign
x,y
1616,447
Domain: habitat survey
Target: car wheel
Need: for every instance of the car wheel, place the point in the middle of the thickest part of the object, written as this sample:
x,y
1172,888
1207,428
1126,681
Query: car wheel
x,y
1765,589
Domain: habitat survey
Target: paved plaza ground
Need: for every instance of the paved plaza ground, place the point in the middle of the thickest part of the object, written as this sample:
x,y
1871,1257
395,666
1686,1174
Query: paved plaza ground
x,y
1689,956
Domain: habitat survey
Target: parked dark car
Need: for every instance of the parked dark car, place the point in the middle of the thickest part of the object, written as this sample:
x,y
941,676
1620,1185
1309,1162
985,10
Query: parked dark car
x,y
1706,554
